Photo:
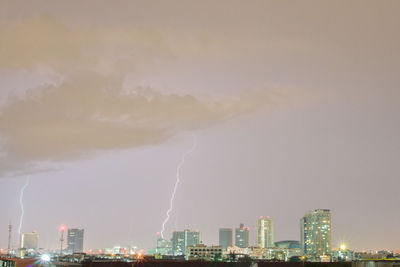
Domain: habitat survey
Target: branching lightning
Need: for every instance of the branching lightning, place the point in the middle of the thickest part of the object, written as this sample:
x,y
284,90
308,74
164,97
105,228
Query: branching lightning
x,y
178,169
21,203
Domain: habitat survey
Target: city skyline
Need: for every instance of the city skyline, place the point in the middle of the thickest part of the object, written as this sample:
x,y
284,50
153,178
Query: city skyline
x,y
315,242
285,107
228,237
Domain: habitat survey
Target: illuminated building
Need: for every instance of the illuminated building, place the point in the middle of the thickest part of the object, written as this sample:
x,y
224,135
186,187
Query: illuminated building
x,y
225,237
257,253
242,236
264,233
178,242
288,244
28,240
75,240
342,254
292,247
116,250
203,252
315,233
182,239
163,246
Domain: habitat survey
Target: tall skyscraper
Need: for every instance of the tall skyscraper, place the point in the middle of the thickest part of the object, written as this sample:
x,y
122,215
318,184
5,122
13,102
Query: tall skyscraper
x,y
315,233
75,240
264,232
182,239
242,236
28,240
225,237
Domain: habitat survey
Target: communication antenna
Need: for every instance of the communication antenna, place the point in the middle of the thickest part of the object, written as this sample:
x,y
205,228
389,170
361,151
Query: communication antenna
x,y
9,238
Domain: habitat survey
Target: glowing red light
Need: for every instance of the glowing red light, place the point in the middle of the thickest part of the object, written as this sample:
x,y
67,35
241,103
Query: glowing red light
x,y
62,228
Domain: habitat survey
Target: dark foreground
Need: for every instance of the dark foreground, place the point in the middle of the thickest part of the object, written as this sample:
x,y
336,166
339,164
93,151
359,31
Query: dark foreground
x,y
171,263
241,264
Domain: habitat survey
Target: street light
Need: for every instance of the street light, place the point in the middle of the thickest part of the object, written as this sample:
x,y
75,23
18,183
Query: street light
x,y
45,260
45,257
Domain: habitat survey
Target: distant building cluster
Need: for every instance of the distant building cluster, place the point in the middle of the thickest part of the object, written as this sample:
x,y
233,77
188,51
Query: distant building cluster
x,y
28,242
315,241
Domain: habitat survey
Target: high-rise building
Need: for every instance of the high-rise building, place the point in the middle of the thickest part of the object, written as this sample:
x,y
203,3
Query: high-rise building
x,y
315,233
28,240
192,238
242,236
225,237
264,232
75,240
182,239
178,242
163,246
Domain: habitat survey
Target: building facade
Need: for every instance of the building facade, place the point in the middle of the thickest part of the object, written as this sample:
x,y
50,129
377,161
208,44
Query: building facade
x,y
315,233
182,239
75,240
203,252
225,237
264,232
28,240
288,244
163,246
292,247
242,236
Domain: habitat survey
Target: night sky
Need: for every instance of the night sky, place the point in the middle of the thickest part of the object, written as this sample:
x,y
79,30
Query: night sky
x,y
295,106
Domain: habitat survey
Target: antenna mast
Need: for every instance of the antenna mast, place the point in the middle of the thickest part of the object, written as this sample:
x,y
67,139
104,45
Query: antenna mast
x,y
9,238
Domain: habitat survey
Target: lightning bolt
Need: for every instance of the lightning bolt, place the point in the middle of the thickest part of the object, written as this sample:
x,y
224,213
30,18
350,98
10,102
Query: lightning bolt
x,y
178,169
21,203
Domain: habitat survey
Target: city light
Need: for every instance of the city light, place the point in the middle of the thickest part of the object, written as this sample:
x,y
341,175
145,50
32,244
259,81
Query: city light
x,y
343,247
139,255
45,258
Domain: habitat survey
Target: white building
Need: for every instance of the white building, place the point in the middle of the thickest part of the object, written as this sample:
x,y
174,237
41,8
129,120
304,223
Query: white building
x,y
28,240
264,232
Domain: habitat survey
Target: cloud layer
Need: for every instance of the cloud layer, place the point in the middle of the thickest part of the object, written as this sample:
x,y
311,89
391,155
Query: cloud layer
x,y
90,109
